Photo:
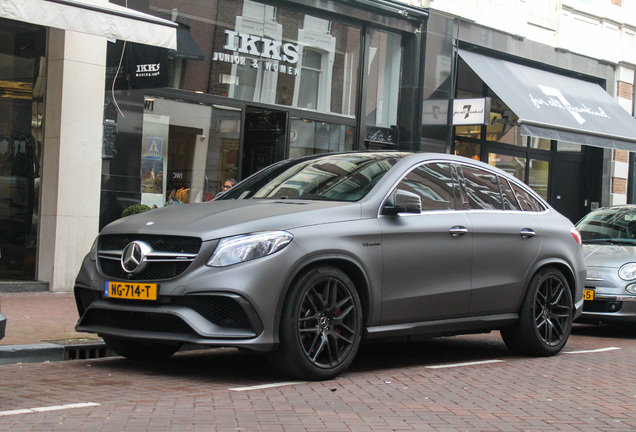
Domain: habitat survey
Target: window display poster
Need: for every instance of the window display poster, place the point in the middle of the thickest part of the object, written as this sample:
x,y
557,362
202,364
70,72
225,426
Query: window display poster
x,y
152,175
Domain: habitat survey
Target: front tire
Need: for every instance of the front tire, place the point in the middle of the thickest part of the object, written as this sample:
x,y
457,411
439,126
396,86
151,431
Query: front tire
x,y
142,351
321,326
545,318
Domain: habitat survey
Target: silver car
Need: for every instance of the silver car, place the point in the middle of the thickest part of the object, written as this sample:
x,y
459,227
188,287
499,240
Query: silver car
x,y
309,257
609,244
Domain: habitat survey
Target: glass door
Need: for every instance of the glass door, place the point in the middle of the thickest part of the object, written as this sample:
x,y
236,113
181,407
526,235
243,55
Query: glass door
x,y
265,139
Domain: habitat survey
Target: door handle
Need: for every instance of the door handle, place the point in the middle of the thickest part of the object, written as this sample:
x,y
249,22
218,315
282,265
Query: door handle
x,y
458,231
527,233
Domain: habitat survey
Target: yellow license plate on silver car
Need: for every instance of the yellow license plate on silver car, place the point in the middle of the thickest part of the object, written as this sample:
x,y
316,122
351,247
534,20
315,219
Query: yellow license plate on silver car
x,y
130,290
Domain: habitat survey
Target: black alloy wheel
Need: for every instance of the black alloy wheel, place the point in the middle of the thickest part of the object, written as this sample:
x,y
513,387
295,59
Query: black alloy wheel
x,y
553,310
545,318
321,327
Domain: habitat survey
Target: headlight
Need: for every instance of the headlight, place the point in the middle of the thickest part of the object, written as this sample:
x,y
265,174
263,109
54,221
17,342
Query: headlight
x,y
238,249
627,271
93,253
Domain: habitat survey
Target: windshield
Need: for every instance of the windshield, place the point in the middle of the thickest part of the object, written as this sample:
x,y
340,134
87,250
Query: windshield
x,y
336,177
609,226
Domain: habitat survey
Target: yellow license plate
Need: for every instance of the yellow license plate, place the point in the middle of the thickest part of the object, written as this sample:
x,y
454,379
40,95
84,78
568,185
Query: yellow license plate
x,y
130,290
588,294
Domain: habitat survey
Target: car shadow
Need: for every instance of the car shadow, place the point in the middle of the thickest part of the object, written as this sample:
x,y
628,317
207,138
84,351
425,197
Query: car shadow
x,y
430,352
612,331
235,368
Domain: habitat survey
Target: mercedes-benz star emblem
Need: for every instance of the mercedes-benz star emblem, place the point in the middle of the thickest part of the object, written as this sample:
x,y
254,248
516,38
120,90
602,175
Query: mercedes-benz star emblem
x,y
133,259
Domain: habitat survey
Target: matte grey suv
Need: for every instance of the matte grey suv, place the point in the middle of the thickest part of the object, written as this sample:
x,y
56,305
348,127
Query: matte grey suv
x,y
308,257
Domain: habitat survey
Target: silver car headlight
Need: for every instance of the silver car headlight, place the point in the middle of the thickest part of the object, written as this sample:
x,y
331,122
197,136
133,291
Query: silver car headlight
x,y
238,249
92,255
627,271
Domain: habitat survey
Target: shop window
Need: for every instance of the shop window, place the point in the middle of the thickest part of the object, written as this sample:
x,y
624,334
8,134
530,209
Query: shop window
x,y
188,151
538,176
473,131
384,57
23,87
309,137
310,74
316,71
470,150
503,125
514,165
540,143
283,57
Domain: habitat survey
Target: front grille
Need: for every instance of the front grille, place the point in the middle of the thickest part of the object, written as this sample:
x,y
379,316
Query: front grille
x,y
220,310
137,321
158,243
154,271
110,265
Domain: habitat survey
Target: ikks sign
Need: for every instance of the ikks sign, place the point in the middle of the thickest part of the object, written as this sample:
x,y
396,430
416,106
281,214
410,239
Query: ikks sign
x,y
465,112
258,52
148,67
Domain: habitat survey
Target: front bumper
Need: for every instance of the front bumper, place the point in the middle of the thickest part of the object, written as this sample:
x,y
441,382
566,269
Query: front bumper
x,y
609,308
611,303
235,306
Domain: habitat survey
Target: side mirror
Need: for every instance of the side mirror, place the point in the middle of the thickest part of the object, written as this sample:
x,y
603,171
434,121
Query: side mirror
x,y
401,201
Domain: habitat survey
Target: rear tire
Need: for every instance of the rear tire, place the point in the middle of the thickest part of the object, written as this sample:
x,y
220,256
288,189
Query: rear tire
x,y
321,326
545,318
141,351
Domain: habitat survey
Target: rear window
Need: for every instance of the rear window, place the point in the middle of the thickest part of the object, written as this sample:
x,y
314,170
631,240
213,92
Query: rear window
x,y
526,200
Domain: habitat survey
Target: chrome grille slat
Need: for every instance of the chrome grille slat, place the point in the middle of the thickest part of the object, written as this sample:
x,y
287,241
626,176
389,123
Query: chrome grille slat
x,y
169,258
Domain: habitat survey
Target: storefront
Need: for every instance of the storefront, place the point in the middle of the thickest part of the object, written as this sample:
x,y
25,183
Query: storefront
x,y
253,83
52,63
546,125
22,66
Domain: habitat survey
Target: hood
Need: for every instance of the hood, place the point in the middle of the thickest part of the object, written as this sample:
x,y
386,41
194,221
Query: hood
x,y
217,219
608,255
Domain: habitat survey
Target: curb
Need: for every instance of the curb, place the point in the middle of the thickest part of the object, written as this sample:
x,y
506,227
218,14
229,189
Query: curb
x,y
49,352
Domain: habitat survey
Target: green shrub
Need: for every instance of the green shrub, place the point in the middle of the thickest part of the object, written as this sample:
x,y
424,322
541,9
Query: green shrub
x,y
134,209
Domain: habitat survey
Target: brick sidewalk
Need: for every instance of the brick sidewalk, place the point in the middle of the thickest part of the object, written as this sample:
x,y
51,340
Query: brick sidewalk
x,y
38,317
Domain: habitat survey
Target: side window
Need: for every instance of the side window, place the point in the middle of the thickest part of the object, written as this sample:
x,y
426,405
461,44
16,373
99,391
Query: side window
x,y
433,183
509,199
482,188
526,200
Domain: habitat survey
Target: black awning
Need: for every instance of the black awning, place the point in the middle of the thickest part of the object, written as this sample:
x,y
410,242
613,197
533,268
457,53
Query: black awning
x,y
555,106
187,48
